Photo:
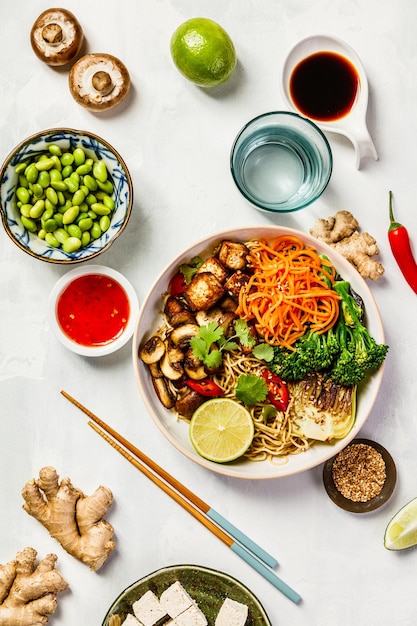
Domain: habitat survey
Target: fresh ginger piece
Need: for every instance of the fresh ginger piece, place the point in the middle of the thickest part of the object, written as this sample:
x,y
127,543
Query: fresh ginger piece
x,y
28,591
340,231
72,518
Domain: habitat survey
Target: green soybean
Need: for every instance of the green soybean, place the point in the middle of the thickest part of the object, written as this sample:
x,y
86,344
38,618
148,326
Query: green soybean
x,y
50,225
52,195
55,149
20,167
42,233
84,169
23,181
45,164
70,215
74,231
59,185
100,171
23,194
45,177
37,190
100,209
72,244
31,173
72,184
79,156
61,235
85,238
104,223
29,224
25,210
90,199
58,219
49,206
38,209
85,223
52,240
67,159
109,202
107,187
95,230
78,197
67,171
57,163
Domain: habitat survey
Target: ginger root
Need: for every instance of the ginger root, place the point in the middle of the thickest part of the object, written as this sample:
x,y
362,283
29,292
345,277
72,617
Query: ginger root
x,y
340,231
72,518
28,591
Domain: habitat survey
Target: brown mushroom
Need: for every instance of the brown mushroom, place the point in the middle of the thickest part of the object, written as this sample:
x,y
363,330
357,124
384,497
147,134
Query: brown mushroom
x,y
99,82
153,350
188,401
56,37
163,392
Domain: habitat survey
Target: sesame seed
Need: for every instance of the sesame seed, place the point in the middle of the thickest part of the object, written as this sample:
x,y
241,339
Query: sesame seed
x,y
359,472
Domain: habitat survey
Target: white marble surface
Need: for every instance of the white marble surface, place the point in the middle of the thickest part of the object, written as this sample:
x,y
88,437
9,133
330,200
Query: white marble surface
x,y
176,139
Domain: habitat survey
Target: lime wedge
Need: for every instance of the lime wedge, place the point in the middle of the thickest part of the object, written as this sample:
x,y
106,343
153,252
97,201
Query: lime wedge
x,y
221,430
401,532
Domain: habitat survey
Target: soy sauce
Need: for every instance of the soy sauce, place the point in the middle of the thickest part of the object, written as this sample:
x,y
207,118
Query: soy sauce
x,y
324,86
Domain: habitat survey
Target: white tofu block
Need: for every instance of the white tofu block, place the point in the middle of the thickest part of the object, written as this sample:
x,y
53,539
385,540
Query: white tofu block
x,y
148,609
232,613
175,599
131,621
192,616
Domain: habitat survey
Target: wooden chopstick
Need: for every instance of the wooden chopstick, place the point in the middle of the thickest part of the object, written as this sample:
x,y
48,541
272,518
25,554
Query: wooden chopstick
x,y
240,550
187,493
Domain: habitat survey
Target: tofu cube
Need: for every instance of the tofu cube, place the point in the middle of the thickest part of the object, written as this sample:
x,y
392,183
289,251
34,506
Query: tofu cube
x,y
232,613
175,599
148,610
193,616
233,255
132,621
214,266
203,291
235,283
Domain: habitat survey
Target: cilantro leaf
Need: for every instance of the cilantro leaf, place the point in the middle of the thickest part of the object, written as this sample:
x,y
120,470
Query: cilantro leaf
x,y
188,270
211,333
264,352
244,334
251,389
213,358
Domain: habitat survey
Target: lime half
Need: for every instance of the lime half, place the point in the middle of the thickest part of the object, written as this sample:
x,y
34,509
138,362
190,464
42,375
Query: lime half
x,y
203,52
221,430
401,532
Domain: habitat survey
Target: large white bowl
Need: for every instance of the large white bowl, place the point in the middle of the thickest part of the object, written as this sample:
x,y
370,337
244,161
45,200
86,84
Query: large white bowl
x,y
177,431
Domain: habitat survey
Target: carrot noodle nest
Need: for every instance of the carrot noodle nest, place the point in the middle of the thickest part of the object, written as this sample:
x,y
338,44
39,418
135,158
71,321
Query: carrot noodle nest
x,y
288,293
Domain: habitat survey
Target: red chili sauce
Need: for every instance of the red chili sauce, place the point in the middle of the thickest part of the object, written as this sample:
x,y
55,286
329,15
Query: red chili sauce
x,y
93,310
324,86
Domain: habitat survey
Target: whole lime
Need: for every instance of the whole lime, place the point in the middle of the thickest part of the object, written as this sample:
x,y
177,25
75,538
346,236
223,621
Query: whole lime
x,y
203,52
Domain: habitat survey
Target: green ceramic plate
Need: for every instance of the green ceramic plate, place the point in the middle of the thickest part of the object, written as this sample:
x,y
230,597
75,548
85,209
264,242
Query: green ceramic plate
x,y
207,587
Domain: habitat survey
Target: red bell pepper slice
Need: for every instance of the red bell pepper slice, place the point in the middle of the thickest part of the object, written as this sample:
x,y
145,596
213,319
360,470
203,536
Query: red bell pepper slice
x,y
177,284
278,394
206,387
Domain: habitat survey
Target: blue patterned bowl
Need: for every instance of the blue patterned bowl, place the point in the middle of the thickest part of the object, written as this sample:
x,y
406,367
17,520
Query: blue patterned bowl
x,y
67,139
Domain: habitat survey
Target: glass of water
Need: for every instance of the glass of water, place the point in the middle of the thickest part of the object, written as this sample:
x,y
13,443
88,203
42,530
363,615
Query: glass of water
x,y
281,162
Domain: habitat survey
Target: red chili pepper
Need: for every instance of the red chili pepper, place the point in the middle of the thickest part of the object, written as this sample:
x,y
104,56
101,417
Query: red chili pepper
x,y
206,387
401,249
277,390
177,284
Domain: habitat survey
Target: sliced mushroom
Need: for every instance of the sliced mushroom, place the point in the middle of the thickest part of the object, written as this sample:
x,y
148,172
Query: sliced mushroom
x,y
188,401
177,312
205,317
171,363
181,335
163,392
193,366
153,350
99,81
56,37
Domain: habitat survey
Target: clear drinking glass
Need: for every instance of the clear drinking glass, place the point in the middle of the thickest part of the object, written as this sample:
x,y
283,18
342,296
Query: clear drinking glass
x,y
281,162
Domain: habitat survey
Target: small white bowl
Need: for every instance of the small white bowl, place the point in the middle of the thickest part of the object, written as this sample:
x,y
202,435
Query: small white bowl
x,y
97,350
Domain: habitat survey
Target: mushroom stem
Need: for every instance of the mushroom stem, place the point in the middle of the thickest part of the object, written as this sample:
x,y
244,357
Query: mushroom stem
x,y
102,82
52,34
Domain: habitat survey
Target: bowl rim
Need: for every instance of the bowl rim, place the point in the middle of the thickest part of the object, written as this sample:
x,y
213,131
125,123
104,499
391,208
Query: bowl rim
x,y
309,123
62,284
77,133
319,452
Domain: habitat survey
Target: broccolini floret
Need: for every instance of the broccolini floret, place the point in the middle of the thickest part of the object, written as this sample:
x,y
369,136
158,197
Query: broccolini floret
x,y
345,353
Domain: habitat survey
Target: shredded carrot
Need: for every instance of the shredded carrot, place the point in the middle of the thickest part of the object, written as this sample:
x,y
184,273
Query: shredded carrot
x,y
287,293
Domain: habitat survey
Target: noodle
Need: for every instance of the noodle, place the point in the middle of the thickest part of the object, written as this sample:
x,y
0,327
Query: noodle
x,y
273,441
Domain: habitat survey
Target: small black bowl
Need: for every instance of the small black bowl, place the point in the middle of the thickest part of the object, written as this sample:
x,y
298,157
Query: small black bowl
x,y
375,502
